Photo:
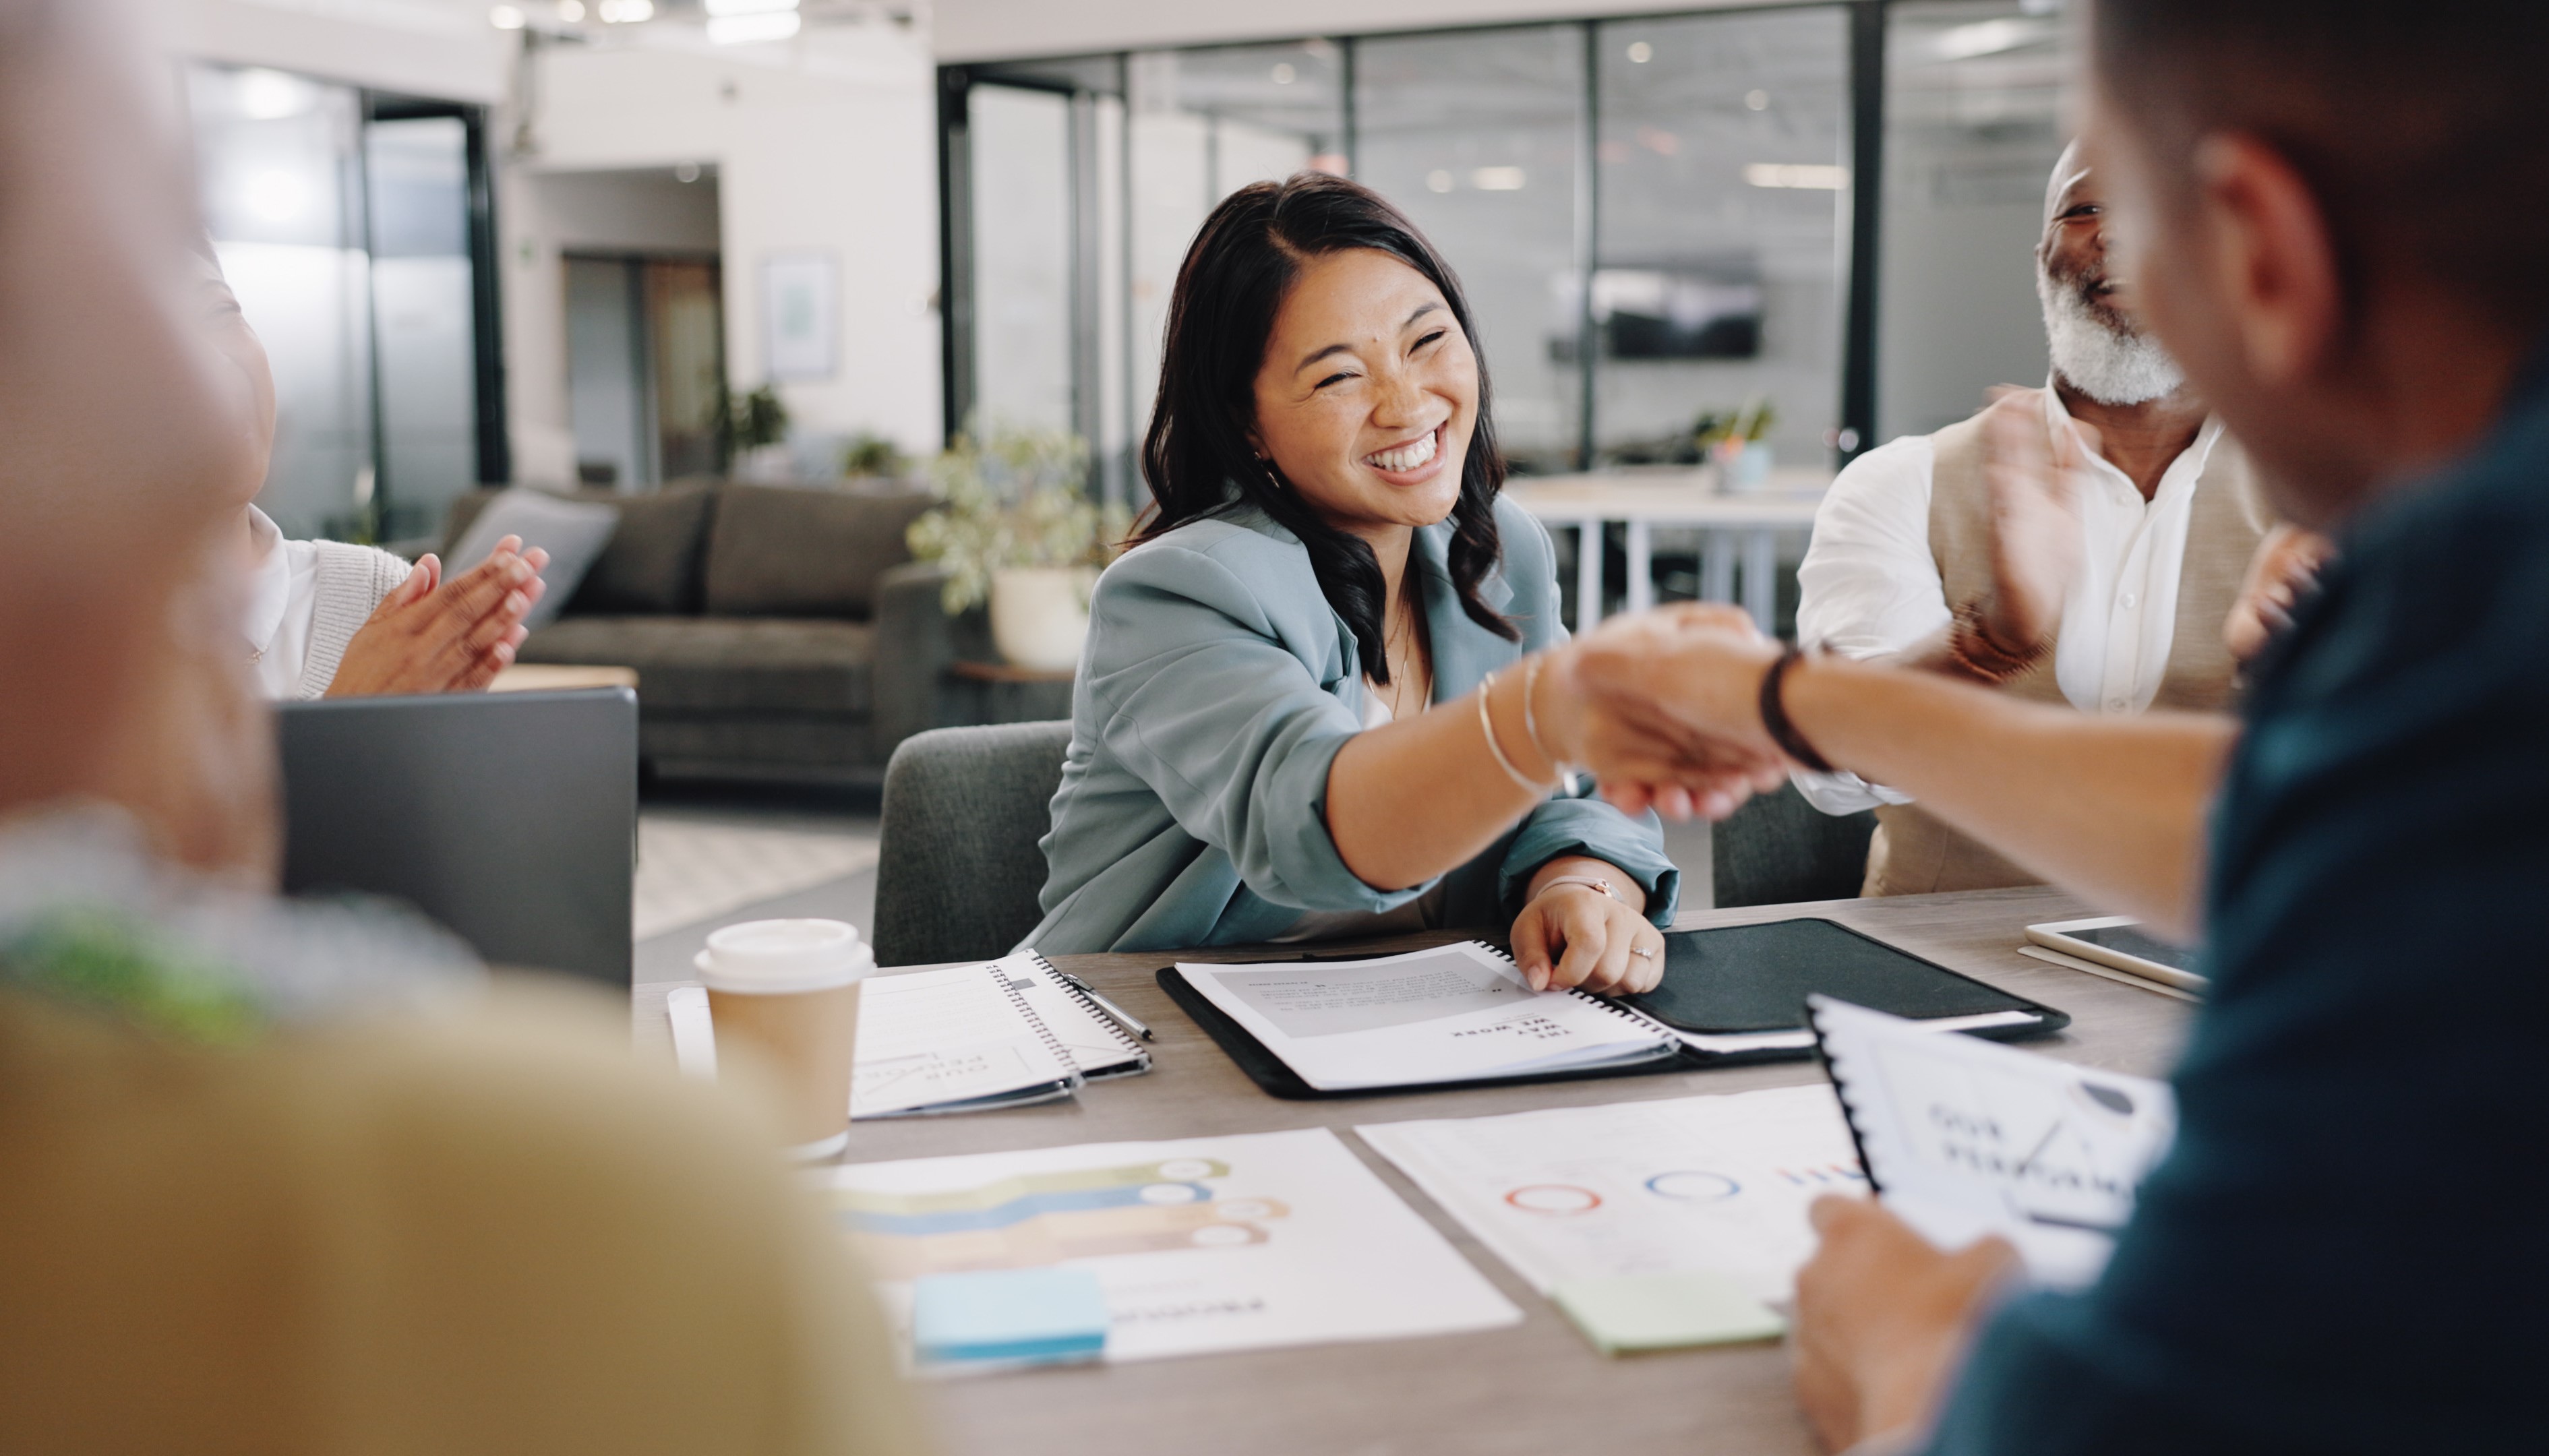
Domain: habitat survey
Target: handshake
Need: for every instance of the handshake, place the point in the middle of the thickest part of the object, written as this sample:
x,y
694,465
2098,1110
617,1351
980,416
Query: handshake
x,y
1666,708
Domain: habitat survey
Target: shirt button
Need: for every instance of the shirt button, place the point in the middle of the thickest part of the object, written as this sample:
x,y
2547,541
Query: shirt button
x,y
2117,704
2129,599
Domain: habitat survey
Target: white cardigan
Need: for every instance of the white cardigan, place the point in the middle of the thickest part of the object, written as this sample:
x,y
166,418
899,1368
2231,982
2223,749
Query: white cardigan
x,y
308,599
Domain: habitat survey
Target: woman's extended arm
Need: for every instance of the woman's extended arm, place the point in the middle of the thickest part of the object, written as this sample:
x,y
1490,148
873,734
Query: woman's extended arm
x,y
1413,799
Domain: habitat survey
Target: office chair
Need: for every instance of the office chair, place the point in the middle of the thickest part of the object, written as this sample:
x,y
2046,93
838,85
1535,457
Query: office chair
x,y
960,868
1778,848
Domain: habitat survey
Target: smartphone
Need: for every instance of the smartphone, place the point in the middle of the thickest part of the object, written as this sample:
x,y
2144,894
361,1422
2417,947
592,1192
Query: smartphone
x,y
2119,942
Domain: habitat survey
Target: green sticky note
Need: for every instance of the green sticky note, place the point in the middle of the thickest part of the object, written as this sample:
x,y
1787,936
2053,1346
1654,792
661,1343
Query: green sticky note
x,y
1624,1313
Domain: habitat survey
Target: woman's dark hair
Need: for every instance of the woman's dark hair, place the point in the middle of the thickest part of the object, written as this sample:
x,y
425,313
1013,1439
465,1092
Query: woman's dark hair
x,y
1243,263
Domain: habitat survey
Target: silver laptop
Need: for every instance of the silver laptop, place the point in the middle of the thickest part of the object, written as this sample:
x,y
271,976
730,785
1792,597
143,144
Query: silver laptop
x,y
509,817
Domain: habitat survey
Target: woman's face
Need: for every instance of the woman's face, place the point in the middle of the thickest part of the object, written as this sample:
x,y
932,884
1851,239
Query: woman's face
x,y
1368,394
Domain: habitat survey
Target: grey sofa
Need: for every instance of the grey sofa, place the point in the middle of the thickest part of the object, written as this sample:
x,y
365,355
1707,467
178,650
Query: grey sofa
x,y
777,632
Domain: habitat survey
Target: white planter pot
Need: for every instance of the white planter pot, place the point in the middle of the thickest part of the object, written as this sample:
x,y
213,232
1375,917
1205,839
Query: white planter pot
x,y
1040,615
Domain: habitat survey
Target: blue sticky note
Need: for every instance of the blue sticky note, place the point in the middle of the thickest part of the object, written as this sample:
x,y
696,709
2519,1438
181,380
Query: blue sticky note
x,y
1037,1316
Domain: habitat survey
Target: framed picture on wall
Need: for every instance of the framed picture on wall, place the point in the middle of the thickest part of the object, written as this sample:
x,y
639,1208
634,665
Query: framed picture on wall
x,y
800,313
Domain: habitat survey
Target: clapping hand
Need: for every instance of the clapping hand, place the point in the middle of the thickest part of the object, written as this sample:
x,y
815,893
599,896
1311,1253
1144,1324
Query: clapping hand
x,y
430,635
2286,565
2034,477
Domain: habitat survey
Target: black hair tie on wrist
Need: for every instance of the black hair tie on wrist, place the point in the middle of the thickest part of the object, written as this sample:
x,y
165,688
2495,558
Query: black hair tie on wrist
x,y
1774,713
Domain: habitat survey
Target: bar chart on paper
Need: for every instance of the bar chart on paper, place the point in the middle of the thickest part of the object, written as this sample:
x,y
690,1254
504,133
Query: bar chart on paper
x,y
1684,1185
1200,1244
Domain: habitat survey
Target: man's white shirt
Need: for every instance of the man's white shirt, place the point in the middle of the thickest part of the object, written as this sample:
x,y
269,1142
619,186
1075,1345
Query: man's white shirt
x,y
1870,586
282,603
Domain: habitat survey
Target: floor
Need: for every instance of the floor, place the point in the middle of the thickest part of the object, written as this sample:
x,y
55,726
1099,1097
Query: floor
x,y
709,855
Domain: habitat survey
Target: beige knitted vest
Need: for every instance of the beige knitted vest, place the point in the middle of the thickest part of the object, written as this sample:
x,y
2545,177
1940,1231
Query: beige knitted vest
x,y
1914,852
352,581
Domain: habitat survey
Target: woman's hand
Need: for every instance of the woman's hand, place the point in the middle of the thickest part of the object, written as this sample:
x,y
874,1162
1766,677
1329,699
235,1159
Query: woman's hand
x,y
1573,935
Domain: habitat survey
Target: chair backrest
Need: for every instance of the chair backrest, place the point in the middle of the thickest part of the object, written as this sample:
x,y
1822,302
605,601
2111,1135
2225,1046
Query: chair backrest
x,y
960,868
1778,848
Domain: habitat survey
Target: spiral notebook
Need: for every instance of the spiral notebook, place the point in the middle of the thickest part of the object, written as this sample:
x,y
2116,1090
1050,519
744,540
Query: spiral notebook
x,y
1092,1039
1453,1014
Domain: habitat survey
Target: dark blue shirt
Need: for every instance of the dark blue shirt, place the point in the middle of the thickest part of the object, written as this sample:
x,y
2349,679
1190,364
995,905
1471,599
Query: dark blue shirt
x,y
2348,1247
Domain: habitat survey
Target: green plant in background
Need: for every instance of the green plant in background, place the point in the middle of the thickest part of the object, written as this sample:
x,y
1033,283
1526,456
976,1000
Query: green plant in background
x,y
1752,421
870,453
1013,499
747,421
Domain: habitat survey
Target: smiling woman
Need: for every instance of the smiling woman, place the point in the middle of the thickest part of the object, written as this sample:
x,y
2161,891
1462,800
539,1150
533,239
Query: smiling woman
x,y
1327,692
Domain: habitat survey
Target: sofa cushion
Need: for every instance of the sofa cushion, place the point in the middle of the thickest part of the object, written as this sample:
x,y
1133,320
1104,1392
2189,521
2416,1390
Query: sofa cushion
x,y
771,665
787,551
652,563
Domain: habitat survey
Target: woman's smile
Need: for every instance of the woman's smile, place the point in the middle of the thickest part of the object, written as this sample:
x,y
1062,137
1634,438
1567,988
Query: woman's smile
x,y
1410,462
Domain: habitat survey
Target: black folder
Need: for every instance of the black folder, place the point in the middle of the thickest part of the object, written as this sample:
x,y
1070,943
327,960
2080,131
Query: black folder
x,y
1730,982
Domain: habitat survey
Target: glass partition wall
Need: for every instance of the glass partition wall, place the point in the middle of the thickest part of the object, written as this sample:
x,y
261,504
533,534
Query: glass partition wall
x,y
1809,207
354,228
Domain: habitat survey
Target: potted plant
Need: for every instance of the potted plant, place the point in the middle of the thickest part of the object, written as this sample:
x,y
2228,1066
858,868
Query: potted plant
x,y
1018,530
751,434
872,458
1739,443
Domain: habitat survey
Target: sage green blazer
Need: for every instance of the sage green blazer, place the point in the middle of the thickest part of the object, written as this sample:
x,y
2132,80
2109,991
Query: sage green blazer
x,y
1216,686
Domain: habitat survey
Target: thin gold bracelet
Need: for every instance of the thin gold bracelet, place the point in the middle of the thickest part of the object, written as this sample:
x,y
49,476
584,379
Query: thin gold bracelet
x,y
1487,728
1531,727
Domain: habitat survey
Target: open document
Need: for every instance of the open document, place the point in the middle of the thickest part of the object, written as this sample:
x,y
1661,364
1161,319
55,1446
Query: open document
x,y
1964,1137
1199,1245
1450,1013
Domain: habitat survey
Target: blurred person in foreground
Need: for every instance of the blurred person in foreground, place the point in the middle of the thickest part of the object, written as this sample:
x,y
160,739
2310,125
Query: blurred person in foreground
x,y
2334,211
2115,596
333,619
278,1180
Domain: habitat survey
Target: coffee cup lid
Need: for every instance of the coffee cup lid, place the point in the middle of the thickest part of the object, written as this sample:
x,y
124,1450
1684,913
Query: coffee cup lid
x,y
783,956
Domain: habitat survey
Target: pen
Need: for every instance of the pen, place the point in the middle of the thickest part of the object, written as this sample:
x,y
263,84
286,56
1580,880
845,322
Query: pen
x,y
1109,1007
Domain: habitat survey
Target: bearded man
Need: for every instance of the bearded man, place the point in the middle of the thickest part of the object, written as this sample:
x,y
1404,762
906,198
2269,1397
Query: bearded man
x,y
2113,600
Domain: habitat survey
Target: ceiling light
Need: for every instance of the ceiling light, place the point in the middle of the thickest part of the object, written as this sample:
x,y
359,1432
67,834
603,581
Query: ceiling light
x,y
625,12
1497,179
505,16
570,10
1640,52
275,197
722,8
1285,75
1439,180
1986,37
1804,177
1756,100
267,96
746,29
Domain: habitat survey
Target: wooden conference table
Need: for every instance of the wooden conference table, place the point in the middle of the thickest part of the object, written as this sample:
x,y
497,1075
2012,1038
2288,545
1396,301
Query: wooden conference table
x,y
1535,1387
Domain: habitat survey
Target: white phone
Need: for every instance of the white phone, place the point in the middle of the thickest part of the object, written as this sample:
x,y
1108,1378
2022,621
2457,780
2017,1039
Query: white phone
x,y
2118,940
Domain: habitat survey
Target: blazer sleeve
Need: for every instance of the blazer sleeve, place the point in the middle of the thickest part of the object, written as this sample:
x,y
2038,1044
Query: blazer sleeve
x,y
1201,693
1588,826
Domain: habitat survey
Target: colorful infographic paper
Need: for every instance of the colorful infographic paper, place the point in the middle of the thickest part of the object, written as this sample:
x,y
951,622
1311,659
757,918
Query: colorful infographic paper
x,y
1684,1185
1202,1244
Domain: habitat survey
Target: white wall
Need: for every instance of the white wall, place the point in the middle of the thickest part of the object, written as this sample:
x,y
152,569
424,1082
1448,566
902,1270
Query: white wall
x,y
824,145
999,30
442,48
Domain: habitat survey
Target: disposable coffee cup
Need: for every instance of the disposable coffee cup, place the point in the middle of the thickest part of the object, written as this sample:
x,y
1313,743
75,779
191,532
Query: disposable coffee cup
x,y
789,991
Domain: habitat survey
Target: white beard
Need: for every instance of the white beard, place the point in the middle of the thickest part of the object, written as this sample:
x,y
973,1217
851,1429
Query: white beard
x,y
2108,367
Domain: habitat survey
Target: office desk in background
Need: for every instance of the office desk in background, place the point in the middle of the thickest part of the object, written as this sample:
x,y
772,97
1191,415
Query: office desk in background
x,y
1533,1388
1748,525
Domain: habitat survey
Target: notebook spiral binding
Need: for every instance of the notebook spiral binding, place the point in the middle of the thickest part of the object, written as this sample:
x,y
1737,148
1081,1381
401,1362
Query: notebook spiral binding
x,y
1096,1013
1620,1009
1018,999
